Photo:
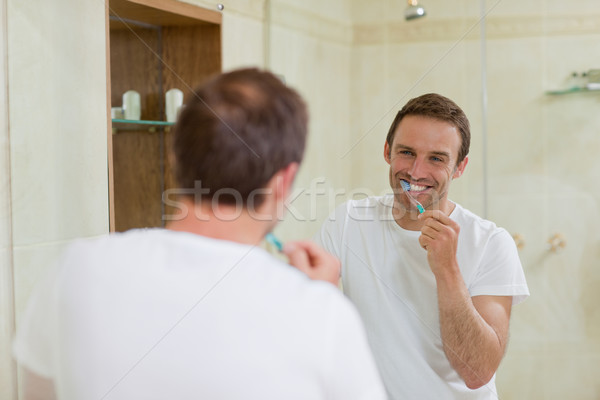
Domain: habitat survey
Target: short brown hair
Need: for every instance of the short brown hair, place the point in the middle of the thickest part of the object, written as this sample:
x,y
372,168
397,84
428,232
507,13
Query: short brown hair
x,y
433,105
237,131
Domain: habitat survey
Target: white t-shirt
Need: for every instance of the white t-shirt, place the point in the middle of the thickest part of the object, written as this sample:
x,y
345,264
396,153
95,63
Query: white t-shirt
x,y
156,314
386,275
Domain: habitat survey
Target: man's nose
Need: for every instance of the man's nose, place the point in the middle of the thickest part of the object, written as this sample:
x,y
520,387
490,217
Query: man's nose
x,y
418,169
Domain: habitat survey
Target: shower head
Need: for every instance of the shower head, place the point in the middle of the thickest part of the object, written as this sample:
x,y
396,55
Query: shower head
x,y
414,10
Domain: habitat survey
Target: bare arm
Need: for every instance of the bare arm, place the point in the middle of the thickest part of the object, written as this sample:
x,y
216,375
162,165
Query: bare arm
x,y
36,387
474,333
474,330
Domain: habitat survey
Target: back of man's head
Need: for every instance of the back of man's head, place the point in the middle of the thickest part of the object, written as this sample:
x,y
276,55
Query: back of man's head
x,y
237,131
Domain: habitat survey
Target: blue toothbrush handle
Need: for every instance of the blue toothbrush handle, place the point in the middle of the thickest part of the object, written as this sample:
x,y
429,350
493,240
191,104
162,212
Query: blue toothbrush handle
x,y
274,241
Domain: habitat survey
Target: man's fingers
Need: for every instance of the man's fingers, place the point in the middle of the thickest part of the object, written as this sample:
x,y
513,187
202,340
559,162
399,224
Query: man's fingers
x,y
313,260
297,256
438,221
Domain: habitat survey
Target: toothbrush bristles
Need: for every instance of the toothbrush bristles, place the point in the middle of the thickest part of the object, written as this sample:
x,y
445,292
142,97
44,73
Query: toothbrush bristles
x,y
406,187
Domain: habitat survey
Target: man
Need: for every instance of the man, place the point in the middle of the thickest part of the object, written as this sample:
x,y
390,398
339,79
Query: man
x,y
434,290
197,310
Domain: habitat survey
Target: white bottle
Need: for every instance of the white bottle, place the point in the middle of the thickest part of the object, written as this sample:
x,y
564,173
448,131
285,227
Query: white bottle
x,y
173,103
132,105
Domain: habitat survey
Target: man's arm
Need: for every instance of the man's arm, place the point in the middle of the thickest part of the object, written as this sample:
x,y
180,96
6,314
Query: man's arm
x,y
474,333
474,329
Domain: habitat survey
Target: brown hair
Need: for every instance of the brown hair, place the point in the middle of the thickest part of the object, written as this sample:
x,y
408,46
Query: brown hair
x,y
436,106
236,132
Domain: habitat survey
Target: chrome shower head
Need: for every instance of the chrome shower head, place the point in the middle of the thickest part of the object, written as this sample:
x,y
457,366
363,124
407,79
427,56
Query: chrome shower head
x,y
414,10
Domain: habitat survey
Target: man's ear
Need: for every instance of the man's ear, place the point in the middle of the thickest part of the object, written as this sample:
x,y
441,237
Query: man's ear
x,y
285,179
460,168
387,153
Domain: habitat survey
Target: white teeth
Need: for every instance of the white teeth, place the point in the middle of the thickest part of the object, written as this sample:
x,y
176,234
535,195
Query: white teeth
x,y
417,188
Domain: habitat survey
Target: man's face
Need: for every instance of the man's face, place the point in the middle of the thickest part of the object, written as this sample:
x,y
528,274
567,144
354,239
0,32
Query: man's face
x,y
424,153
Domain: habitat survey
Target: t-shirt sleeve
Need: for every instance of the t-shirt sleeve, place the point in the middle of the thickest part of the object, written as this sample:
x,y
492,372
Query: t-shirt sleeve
x,y
33,345
354,375
500,272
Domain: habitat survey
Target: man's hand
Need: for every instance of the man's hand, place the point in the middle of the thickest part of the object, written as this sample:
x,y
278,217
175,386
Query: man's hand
x,y
439,237
313,261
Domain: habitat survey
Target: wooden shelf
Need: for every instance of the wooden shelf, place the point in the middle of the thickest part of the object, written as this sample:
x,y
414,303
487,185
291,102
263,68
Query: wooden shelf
x,y
154,46
163,12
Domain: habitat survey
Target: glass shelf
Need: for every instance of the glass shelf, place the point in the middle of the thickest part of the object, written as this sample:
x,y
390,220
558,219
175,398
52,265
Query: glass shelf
x,y
142,122
138,125
571,90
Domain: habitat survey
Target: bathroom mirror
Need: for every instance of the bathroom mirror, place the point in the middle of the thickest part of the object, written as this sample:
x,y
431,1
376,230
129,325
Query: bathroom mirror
x,y
532,168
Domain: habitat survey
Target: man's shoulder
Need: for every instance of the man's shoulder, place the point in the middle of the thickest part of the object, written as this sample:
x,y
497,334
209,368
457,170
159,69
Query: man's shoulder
x,y
476,226
131,241
467,217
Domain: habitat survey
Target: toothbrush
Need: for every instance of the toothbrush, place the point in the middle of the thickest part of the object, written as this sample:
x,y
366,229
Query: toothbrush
x,y
406,187
269,237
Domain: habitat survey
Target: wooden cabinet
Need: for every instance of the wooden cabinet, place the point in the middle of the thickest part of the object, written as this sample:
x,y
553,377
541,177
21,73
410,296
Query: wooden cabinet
x,y
154,46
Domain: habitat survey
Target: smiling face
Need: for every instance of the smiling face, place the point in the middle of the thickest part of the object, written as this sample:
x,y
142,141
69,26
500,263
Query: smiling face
x,y
424,152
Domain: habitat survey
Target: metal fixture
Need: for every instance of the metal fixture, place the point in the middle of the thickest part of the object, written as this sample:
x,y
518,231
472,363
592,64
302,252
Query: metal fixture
x,y
414,10
556,242
220,6
519,241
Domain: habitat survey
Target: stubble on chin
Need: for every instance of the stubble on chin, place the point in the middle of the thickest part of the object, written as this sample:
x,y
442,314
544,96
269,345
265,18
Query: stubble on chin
x,y
401,210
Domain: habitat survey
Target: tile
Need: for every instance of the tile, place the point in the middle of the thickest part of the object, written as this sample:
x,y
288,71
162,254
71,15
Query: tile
x,y
514,73
242,41
5,186
58,128
570,120
335,9
561,309
582,7
5,191
326,20
364,146
31,263
519,377
7,371
530,8
571,372
367,11
323,171
565,54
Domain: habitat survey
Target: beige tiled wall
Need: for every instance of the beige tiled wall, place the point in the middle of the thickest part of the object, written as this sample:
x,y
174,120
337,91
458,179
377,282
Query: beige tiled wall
x,y
7,373
57,180
309,44
57,114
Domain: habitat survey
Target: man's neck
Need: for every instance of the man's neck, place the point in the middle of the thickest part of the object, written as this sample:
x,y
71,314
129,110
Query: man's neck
x,y
223,222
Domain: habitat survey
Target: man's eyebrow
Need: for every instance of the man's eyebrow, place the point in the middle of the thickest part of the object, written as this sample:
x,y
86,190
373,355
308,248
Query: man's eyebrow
x,y
401,146
440,153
